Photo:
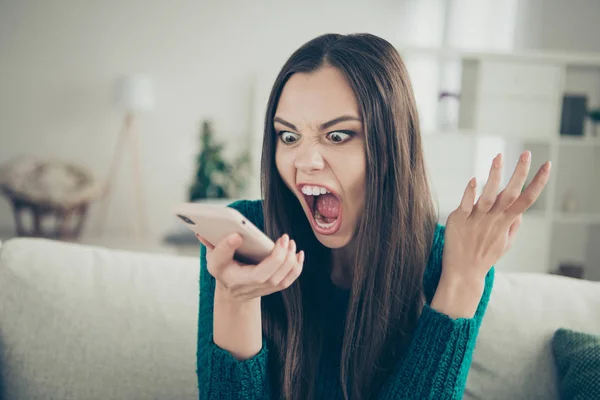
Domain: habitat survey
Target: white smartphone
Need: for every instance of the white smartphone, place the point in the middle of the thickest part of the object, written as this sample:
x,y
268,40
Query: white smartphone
x,y
214,223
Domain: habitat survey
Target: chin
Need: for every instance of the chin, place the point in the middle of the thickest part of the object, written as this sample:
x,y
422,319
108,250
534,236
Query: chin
x,y
336,241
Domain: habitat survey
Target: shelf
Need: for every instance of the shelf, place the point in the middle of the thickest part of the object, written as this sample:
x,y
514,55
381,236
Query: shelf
x,y
528,141
432,133
584,141
535,213
563,140
470,133
578,218
445,53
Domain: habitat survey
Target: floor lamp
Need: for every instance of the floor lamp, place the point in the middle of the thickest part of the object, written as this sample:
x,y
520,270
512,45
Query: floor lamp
x,y
133,94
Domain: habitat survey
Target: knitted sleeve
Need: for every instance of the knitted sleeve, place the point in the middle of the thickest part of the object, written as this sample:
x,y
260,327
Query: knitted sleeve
x,y
439,356
220,375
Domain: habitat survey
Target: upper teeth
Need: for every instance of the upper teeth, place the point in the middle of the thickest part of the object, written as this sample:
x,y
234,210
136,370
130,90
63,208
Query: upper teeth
x,y
314,190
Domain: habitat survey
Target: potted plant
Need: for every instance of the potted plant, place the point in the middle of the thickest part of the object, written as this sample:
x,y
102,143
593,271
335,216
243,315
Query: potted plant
x,y
217,178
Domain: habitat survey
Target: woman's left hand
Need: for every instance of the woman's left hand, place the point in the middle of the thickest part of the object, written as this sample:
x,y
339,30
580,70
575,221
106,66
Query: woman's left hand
x,y
478,235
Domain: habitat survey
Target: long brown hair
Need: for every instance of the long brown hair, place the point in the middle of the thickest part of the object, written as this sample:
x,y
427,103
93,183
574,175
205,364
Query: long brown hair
x,y
393,237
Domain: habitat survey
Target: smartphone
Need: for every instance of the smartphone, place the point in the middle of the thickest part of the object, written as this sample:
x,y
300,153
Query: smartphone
x,y
214,223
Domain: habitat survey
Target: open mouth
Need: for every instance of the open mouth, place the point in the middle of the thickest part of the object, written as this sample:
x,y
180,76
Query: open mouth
x,y
324,207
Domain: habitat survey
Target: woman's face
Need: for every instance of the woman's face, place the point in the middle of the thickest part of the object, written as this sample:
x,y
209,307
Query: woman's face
x,y
320,152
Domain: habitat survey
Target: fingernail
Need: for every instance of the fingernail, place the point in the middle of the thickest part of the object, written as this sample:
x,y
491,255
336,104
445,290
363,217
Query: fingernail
x,y
498,160
525,157
292,247
473,182
302,257
284,241
547,166
234,239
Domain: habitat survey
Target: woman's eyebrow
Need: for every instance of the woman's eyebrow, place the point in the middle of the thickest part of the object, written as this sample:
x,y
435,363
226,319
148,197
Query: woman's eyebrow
x,y
324,125
284,122
338,120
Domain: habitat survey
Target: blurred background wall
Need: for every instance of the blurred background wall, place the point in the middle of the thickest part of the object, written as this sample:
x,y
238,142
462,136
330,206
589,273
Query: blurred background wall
x,y
59,61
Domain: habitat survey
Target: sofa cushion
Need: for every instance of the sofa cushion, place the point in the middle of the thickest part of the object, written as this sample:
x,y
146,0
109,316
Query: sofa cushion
x,y
79,322
513,355
578,359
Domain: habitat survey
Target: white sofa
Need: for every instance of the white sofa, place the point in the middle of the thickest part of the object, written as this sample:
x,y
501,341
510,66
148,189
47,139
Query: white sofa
x,y
80,322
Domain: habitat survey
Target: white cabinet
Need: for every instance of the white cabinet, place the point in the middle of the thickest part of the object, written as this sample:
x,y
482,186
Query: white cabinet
x,y
517,117
509,103
519,78
510,98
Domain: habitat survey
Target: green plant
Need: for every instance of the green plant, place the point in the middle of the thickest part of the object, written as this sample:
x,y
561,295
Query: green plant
x,y
215,177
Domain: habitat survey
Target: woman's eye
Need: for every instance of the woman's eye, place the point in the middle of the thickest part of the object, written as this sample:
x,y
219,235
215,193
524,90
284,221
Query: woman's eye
x,y
339,137
288,137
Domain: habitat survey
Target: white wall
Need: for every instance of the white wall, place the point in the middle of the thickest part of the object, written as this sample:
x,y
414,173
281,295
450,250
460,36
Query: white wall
x,y
481,24
572,25
59,60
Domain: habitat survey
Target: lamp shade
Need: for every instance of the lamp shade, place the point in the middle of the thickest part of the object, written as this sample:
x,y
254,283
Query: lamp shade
x,y
134,93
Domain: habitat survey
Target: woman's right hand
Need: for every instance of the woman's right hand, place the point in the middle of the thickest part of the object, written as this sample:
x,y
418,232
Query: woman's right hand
x,y
243,282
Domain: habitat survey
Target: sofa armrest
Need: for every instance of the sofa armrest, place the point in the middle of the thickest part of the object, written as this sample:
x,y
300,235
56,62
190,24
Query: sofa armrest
x,y
81,322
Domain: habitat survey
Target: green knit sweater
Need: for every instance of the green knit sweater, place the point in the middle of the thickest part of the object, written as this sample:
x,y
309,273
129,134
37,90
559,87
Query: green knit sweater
x,y
435,365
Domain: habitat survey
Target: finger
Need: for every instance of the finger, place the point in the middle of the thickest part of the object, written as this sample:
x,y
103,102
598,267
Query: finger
x,y
512,191
490,191
466,204
263,271
515,226
224,251
532,192
205,242
512,231
290,260
291,277
300,257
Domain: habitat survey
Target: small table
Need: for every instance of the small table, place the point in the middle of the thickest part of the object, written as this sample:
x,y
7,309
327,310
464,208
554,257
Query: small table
x,y
68,221
43,188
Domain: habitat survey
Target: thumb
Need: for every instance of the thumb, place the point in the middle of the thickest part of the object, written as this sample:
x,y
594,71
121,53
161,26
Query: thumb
x,y
225,249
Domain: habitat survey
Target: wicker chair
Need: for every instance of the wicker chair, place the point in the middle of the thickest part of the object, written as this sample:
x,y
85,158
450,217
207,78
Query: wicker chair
x,y
49,190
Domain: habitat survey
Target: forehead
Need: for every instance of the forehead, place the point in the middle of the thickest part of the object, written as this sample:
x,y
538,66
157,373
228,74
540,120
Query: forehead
x,y
317,96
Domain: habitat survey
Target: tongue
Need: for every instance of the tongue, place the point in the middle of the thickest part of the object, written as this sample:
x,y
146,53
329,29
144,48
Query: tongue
x,y
328,206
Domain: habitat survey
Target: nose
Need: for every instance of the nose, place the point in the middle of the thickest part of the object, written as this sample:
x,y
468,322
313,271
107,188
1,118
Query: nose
x,y
309,160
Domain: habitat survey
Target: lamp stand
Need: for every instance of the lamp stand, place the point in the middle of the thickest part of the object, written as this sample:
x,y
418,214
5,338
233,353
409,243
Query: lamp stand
x,y
128,133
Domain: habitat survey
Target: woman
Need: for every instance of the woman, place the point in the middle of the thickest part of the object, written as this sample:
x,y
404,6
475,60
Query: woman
x,y
381,302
